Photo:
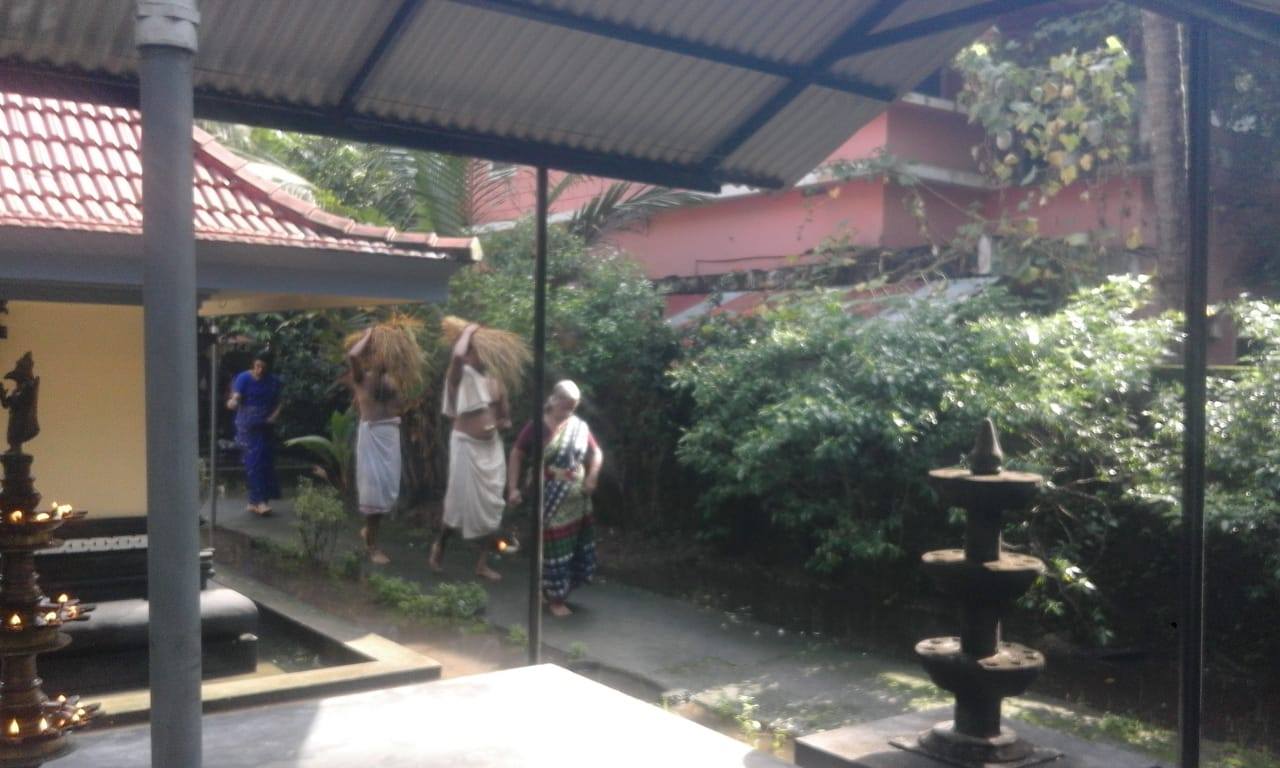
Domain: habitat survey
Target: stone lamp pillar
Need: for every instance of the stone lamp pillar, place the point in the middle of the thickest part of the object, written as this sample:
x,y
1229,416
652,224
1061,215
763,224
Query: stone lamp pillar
x,y
984,580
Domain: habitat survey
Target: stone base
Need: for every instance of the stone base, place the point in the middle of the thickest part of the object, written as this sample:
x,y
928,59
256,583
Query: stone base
x,y
1006,751
868,746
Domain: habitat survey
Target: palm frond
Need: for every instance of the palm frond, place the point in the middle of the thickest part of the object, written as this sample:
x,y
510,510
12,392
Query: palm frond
x,y
623,205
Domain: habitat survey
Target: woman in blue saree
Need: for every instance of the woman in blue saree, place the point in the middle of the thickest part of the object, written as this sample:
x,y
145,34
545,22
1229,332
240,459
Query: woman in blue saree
x,y
255,397
571,462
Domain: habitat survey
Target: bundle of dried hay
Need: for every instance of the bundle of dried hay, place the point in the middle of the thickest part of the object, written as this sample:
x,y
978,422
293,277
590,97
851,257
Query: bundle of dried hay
x,y
394,348
503,354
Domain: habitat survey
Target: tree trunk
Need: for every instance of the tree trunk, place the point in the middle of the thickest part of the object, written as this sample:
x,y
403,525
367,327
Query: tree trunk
x,y
1166,121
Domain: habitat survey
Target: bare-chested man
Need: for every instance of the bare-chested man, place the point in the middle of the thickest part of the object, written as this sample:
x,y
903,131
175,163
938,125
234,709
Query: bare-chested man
x,y
378,401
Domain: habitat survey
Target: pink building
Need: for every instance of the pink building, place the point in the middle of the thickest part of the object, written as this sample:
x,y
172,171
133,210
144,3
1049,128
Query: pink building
x,y
840,204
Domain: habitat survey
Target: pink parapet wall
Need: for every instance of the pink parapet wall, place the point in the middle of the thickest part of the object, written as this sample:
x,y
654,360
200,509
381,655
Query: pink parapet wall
x,y
763,231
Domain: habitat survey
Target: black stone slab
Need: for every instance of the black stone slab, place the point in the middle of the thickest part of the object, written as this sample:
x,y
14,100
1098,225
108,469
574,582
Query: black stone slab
x,y
532,717
867,746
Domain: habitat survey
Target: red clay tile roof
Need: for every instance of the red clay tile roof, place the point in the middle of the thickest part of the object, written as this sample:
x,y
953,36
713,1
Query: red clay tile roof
x,y
74,165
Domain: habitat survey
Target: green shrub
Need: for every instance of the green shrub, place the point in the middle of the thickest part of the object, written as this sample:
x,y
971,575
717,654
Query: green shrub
x,y
320,516
449,600
821,427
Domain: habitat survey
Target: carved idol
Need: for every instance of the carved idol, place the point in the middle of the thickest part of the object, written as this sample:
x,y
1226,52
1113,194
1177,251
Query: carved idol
x,y
21,402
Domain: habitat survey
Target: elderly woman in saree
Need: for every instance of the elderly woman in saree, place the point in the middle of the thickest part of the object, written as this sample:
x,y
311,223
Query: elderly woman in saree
x,y
571,464
255,397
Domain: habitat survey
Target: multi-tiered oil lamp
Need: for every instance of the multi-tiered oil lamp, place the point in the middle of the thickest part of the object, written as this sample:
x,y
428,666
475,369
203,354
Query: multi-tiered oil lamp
x,y
978,666
33,727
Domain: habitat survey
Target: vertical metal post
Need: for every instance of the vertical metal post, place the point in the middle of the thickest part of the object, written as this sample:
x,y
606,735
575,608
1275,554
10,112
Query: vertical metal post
x,y
215,398
166,41
1195,369
539,394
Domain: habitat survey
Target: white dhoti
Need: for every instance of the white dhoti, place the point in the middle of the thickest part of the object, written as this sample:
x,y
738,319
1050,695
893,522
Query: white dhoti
x,y
378,465
477,475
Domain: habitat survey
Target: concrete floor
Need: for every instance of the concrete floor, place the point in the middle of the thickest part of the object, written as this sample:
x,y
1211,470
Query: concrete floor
x,y
531,717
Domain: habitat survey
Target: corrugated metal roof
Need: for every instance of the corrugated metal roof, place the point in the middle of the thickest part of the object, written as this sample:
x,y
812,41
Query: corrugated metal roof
x,y
667,91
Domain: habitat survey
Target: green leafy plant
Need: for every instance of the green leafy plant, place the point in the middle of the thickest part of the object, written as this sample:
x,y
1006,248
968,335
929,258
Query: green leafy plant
x,y
577,651
334,453
745,717
319,517
448,600
516,635
1053,124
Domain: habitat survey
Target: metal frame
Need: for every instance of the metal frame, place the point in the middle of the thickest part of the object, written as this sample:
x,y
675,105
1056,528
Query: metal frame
x,y
539,387
933,25
693,49
792,90
389,37
1195,371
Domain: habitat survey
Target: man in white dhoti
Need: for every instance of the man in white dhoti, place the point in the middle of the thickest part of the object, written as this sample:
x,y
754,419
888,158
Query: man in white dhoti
x,y
377,396
474,499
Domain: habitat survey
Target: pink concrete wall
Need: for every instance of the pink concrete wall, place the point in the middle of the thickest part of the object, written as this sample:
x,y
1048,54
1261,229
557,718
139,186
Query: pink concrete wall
x,y
922,134
756,232
946,208
1118,205
868,140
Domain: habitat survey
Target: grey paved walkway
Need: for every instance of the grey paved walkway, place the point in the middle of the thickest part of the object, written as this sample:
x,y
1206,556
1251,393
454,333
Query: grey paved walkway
x,y
675,646
800,685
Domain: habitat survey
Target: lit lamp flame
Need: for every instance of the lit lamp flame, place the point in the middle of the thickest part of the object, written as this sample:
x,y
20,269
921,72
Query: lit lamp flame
x,y
15,622
502,545
63,509
44,725
51,617
62,698
14,730
41,517
71,611
15,516
62,598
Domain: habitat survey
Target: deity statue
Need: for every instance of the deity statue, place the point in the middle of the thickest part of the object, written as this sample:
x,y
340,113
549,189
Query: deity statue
x,y
21,402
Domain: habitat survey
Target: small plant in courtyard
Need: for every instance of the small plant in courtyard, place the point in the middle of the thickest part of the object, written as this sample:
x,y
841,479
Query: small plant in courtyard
x,y
320,516
745,717
577,651
449,600
348,565
335,453
516,635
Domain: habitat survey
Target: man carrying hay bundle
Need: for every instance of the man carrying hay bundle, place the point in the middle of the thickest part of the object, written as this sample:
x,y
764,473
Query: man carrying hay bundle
x,y
485,365
386,365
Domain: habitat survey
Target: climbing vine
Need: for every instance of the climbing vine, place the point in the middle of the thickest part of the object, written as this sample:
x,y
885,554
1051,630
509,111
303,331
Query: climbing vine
x,y
1049,125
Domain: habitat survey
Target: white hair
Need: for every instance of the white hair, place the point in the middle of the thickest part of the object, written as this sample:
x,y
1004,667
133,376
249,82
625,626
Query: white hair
x,y
565,389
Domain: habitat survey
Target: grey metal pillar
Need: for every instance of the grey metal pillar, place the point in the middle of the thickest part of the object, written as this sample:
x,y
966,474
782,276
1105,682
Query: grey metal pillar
x,y
1191,626
539,393
166,40
215,403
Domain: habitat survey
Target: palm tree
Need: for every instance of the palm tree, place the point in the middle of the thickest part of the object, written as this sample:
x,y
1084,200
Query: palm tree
x,y
1166,119
622,205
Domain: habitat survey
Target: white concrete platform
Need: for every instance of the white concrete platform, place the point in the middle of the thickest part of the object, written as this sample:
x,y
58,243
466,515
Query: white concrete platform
x,y
532,717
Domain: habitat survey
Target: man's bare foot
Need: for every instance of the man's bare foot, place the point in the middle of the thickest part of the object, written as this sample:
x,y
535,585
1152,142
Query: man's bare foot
x,y
378,557
485,572
433,560
559,609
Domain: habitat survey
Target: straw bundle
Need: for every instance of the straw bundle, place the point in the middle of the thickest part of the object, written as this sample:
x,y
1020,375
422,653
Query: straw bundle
x,y
394,348
503,354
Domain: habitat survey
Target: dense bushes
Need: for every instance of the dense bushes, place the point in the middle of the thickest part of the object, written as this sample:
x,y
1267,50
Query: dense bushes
x,y
825,424
604,330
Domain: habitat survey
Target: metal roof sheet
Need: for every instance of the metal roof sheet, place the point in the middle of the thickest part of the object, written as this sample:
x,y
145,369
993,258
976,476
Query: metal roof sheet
x,y
667,91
